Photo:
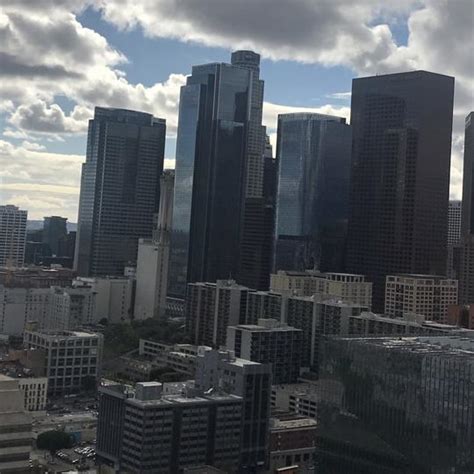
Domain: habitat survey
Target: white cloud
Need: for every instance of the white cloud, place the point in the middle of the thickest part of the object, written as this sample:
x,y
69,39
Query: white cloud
x,y
64,58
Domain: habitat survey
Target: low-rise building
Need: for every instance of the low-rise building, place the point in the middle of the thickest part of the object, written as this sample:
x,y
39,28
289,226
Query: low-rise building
x,y
211,307
35,390
114,297
347,287
269,342
429,295
293,443
73,358
414,392
167,433
179,357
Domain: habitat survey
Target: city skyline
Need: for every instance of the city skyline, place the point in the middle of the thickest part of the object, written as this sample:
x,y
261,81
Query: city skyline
x,y
109,60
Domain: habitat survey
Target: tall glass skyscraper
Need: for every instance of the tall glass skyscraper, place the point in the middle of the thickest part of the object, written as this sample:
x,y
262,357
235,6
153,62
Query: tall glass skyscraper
x,y
466,270
219,166
120,189
314,158
401,152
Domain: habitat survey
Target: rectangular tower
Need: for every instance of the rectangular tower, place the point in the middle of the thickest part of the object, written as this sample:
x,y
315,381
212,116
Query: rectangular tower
x,y
12,236
466,270
401,153
120,189
314,158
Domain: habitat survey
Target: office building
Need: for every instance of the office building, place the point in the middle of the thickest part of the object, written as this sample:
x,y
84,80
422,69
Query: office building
x,y
15,429
19,305
153,258
12,236
252,382
269,342
73,359
293,443
150,432
219,167
179,357
120,189
454,239
211,307
414,393
70,308
314,159
35,277
401,128
54,231
113,296
34,391
343,286
429,295
466,270
461,315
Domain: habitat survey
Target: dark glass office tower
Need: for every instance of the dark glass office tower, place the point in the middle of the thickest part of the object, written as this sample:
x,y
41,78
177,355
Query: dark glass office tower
x,y
314,159
120,189
401,125
210,172
466,270
54,231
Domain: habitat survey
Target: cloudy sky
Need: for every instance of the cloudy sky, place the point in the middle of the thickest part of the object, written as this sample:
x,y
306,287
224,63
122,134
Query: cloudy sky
x,y
60,58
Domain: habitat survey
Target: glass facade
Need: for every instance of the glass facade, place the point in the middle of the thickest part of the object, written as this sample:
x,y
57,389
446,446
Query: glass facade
x,y
210,175
120,189
417,394
402,126
314,154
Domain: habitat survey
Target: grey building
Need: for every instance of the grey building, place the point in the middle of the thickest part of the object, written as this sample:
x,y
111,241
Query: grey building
x,y
150,432
54,232
120,189
401,128
72,358
269,342
12,236
416,394
314,159
211,307
219,174
466,270
252,382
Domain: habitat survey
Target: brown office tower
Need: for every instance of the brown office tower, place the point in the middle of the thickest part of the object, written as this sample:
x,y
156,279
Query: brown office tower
x,y
401,128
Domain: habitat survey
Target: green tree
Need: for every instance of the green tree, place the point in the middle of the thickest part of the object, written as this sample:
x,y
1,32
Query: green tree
x,y
54,441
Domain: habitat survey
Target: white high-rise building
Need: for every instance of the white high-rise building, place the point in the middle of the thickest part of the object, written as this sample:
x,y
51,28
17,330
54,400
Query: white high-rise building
x,y
153,258
12,236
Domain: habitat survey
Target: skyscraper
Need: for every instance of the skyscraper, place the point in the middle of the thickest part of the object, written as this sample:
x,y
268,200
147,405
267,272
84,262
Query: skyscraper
x,y
401,126
211,148
314,158
466,271
54,231
153,258
12,236
454,238
120,189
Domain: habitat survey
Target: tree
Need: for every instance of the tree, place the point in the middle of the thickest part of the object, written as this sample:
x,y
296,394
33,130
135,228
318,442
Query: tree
x,y
54,441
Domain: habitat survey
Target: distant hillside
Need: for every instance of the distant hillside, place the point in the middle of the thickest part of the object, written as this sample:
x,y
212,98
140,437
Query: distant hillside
x,y
37,225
